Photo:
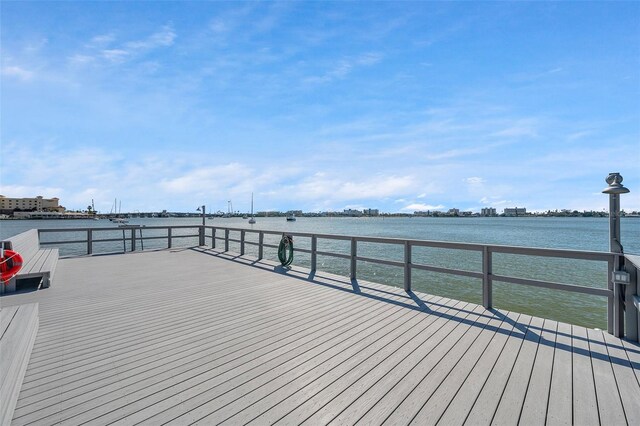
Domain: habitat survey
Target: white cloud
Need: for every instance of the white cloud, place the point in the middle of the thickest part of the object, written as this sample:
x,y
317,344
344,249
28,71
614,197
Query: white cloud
x,y
115,55
209,178
524,128
28,191
338,188
101,40
475,180
79,59
103,47
344,67
421,207
163,38
17,72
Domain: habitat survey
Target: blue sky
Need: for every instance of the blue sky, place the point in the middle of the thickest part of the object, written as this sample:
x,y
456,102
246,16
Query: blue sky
x,y
399,106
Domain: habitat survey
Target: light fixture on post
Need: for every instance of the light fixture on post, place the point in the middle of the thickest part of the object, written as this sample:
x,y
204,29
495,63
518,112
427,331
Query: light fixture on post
x,y
201,233
615,188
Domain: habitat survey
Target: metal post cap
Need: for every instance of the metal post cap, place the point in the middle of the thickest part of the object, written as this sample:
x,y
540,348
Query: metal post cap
x,y
614,180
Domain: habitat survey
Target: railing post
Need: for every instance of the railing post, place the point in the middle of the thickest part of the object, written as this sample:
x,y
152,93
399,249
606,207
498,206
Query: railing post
x,y
354,253
201,235
487,285
314,252
260,245
242,233
168,237
407,266
89,241
630,310
618,303
610,300
226,240
133,239
213,237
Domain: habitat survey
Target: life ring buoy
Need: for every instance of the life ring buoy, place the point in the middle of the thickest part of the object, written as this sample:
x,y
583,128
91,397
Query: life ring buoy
x,y
10,264
285,250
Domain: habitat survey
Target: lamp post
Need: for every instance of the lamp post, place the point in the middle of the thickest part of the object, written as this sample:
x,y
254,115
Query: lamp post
x,y
201,233
618,274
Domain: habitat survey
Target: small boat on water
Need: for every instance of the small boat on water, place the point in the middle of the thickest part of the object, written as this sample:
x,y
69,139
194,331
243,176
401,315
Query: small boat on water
x,y
291,217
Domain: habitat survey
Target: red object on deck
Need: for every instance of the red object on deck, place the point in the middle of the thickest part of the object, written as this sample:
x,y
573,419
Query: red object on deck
x,y
10,264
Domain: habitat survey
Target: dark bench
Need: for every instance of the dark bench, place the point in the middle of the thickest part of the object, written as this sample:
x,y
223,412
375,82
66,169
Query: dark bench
x,y
36,262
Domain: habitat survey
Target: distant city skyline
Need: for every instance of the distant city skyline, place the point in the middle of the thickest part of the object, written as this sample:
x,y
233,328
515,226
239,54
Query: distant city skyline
x,y
320,106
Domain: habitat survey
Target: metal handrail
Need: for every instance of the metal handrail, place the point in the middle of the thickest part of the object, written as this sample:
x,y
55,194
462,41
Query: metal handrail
x,y
615,305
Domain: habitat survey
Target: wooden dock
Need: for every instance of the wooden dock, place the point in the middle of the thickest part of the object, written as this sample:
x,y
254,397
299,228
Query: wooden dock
x,y
197,336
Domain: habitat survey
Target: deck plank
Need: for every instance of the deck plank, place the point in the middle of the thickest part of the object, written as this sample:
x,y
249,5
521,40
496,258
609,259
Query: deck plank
x,y
420,364
439,400
628,385
512,399
585,402
534,409
609,402
161,378
98,381
460,405
485,405
559,410
339,381
369,341
160,396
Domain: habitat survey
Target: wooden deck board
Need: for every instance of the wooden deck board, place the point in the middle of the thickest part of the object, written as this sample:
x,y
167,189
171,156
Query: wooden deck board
x,y
408,410
176,326
459,406
627,383
137,386
421,363
372,389
212,375
559,408
609,402
337,355
223,339
342,375
585,401
446,389
485,405
534,409
156,361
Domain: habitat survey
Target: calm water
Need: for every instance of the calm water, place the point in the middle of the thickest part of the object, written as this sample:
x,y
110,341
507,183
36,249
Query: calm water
x,y
566,233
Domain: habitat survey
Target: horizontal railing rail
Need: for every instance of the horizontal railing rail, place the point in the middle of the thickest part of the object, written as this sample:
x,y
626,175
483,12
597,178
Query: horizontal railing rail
x,y
617,303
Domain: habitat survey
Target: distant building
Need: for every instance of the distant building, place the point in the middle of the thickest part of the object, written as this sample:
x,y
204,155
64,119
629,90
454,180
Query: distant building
x,y
454,212
516,211
488,211
371,212
38,204
351,212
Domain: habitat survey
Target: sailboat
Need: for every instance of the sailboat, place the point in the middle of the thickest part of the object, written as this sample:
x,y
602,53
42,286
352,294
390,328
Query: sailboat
x,y
118,219
253,219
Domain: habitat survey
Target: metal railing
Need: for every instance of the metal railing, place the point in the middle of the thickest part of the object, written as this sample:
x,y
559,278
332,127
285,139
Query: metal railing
x,y
130,234
620,301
